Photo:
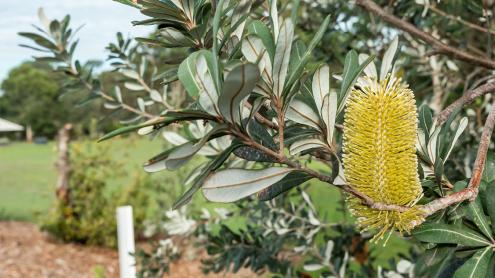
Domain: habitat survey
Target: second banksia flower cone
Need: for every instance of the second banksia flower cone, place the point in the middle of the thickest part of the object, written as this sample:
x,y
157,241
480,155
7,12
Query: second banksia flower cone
x,y
380,131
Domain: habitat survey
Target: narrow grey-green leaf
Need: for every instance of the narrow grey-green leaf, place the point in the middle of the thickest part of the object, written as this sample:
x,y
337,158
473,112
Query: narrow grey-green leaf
x,y
130,73
133,86
231,185
127,129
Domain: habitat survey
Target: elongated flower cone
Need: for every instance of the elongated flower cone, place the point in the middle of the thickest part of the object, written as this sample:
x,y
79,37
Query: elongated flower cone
x,y
380,131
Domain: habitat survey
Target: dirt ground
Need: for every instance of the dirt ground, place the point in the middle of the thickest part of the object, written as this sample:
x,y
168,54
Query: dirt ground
x,y
27,252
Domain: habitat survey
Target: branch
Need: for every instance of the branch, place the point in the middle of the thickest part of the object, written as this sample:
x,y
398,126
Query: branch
x,y
460,20
281,158
262,120
467,98
471,191
434,42
73,72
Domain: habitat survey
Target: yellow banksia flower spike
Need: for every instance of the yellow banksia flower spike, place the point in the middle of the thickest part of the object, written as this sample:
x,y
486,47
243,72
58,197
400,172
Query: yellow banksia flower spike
x,y
380,131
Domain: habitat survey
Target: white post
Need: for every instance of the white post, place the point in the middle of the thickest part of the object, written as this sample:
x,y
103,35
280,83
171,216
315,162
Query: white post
x,y
125,233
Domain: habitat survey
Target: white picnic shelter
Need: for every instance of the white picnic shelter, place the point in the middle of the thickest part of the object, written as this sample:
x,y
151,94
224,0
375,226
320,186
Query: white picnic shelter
x,y
7,126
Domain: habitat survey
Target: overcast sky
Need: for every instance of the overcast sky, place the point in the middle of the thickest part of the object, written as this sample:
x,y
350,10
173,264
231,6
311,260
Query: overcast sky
x,y
101,19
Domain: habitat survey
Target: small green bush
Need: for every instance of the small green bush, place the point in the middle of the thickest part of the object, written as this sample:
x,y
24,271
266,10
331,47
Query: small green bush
x,y
88,217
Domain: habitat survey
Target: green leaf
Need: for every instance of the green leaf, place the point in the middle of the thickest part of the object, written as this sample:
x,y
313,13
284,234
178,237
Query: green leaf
x,y
186,74
476,214
388,58
435,255
425,120
168,118
172,160
490,203
352,70
208,96
293,13
212,166
216,27
302,113
290,181
438,171
297,54
159,122
175,38
40,40
476,266
443,233
274,17
298,69
259,29
260,134
329,114
306,144
231,185
489,171
282,56
238,84
252,154
321,86
133,86
128,2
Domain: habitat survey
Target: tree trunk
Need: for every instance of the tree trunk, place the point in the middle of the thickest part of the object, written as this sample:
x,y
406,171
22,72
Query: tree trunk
x,y
63,163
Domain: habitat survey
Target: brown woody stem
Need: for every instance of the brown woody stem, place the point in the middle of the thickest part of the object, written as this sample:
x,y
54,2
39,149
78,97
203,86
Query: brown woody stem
x,y
438,45
469,97
471,192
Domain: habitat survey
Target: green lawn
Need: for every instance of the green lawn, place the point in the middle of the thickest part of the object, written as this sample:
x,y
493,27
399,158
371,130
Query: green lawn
x,y
28,177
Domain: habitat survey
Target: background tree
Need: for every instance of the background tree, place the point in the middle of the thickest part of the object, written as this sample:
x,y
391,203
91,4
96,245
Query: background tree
x,y
30,94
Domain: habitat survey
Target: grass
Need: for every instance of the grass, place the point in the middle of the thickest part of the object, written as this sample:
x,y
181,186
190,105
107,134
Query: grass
x,y
28,179
27,184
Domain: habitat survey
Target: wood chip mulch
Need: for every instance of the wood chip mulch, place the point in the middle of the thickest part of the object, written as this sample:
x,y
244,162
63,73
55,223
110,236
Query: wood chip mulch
x,y
25,251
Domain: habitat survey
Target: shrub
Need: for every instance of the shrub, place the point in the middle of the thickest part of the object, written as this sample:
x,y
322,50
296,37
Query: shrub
x,y
88,216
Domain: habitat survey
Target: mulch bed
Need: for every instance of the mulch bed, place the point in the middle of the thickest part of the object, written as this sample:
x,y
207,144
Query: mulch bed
x,y
25,251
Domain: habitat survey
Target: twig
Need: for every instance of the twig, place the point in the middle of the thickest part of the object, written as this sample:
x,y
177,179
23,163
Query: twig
x,y
73,72
469,97
262,120
460,20
434,42
471,191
